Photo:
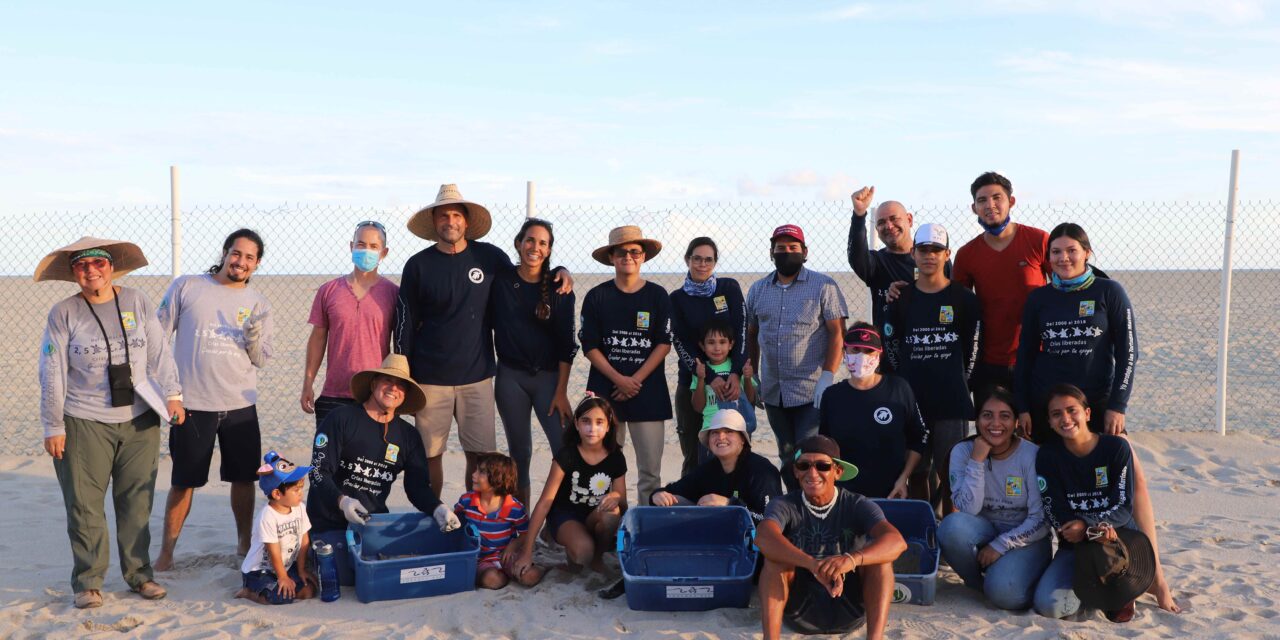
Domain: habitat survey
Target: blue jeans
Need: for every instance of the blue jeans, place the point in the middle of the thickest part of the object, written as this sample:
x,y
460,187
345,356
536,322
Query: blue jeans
x,y
265,584
791,425
1010,581
1054,596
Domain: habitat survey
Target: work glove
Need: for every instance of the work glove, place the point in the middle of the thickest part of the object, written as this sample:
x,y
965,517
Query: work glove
x,y
824,381
353,510
253,340
446,518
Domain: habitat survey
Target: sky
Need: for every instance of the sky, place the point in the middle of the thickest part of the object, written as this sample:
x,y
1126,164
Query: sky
x,y
377,104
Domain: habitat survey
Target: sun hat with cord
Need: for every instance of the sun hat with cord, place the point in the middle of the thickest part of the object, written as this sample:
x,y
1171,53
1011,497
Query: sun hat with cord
x,y
725,419
124,257
629,234
396,366
1109,574
422,224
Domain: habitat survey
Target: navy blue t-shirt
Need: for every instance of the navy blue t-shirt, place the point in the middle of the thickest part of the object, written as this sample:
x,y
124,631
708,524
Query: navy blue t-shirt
x,y
626,328
932,339
1096,487
442,322
689,314
874,429
879,268
752,484
522,340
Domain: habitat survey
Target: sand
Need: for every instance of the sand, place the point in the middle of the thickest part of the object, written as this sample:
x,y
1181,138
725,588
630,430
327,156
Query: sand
x,y
1214,500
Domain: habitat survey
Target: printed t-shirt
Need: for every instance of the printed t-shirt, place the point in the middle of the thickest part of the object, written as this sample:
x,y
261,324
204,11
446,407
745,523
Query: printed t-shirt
x,y
874,429
283,529
626,328
933,339
1096,487
584,484
846,525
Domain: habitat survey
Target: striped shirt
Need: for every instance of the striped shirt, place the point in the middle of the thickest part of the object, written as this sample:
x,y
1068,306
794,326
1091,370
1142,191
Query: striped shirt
x,y
793,333
497,528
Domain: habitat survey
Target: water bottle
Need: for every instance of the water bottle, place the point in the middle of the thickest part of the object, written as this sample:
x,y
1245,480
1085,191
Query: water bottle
x,y
328,569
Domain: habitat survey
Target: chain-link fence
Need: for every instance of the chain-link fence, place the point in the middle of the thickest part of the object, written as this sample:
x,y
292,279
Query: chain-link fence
x,y
1168,255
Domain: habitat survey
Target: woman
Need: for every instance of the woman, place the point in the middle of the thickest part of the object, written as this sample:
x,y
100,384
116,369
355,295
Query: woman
x,y
626,334
737,475
102,349
996,540
533,336
1079,330
703,297
1088,481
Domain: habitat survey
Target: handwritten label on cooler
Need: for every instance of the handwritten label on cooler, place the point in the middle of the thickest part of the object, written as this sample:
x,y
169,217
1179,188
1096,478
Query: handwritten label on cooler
x,y
703,591
422,574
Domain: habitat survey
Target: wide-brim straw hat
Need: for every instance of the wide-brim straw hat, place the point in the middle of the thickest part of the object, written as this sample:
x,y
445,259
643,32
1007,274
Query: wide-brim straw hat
x,y
629,234
396,366
478,219
125,257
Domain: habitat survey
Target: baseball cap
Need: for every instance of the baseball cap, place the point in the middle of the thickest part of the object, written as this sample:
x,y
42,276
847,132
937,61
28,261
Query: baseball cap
x,y
863,337
932,234
788,230
278,471
829,448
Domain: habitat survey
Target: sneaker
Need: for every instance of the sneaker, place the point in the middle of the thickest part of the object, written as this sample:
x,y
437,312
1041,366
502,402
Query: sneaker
x,y
89,599
614,591
149,590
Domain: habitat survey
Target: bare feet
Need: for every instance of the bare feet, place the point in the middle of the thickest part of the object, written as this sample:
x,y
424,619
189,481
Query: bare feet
x,y
249,595
164,562
242,549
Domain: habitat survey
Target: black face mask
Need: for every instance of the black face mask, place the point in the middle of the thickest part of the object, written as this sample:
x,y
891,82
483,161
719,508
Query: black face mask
x,y
788,264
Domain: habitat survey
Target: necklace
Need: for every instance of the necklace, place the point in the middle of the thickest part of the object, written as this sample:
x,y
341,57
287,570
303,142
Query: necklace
x,y
820,513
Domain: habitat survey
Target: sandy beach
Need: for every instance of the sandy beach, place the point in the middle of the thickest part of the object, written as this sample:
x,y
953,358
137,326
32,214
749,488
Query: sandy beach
x,y
1212,496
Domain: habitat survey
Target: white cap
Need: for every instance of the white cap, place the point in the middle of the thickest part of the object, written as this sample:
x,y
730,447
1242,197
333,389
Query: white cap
x,y
933,234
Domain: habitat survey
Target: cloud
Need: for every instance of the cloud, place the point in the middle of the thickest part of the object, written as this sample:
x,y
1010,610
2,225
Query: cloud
x,y
849,12
798,178
1149,13
752,189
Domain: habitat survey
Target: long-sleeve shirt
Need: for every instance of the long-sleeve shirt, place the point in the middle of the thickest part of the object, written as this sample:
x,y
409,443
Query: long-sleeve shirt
x,y
689,314
1085,338
1095,488
933,340
792,322
1002,492
352,457
1002,280
752,484
879,268
73,359
874,428
523,341
207,322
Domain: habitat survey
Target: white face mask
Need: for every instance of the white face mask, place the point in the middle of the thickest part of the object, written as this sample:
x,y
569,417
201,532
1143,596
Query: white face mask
x,y
861,365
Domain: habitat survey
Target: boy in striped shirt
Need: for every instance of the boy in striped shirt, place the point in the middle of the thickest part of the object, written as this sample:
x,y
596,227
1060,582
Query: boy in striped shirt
x,y
499,517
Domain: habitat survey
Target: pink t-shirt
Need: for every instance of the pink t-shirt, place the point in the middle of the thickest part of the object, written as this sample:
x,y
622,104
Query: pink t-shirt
x,y
359,330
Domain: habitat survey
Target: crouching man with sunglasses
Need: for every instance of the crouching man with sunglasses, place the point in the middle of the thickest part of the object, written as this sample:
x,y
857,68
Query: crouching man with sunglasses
x,y
813,539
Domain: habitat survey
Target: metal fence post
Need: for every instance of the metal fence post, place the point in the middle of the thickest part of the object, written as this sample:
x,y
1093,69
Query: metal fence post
x,y
528,199
175,223
1224,323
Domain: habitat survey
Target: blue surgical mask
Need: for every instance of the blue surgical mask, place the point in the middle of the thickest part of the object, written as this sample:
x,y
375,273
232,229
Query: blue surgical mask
x,y
365,260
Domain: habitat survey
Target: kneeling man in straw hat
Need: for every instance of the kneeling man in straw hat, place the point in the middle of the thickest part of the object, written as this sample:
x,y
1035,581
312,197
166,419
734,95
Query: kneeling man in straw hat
x,y
359,452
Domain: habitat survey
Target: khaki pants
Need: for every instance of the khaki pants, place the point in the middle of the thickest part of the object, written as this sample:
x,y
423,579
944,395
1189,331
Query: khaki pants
x,y
124,454
648,439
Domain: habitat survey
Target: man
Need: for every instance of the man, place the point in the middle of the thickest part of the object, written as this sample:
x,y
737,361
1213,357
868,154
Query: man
x,y
221,331
795,324
442,324
360,450
813,539
933,331
351,320
1002,265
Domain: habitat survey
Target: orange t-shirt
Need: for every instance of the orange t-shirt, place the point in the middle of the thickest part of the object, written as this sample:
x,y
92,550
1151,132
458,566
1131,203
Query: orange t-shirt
x,y
1002,280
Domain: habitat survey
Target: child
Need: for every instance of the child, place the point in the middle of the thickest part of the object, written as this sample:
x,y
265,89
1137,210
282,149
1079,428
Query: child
x,y
499,517
269,571
586,491
717,343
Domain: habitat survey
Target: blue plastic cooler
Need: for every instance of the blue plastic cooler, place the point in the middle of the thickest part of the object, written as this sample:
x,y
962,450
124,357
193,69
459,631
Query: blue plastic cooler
x,y
405,555
687,558
915,573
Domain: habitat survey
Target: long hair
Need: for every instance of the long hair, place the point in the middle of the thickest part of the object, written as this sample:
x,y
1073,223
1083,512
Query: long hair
x,y
571,436
1073,231
231,239
543,310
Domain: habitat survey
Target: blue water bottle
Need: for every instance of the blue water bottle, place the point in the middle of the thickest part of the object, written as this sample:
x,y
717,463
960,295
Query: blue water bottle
x,y
328,566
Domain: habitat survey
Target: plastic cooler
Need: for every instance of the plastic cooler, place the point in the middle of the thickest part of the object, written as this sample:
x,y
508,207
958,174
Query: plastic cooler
x,y
916,570
405,555
687,558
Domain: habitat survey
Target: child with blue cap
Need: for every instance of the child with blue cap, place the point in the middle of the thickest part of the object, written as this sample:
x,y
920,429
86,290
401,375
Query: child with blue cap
x,y
274,568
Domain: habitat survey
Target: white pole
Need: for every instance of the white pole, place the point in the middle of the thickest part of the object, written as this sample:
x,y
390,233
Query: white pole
x,y
175,222
1224,323
529,210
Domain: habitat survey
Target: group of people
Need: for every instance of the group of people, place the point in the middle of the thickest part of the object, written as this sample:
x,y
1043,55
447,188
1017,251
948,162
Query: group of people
x,y
1021,332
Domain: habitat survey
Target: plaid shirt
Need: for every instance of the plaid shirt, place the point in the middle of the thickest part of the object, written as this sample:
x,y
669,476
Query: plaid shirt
x,y
793,333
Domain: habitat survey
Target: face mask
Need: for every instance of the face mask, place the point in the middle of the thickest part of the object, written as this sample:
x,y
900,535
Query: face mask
x,y
861,365
365,259
997,229
788,264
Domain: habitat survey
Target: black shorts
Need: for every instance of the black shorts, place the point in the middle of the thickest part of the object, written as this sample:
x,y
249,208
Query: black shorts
x,y
810,609
239,441
558,517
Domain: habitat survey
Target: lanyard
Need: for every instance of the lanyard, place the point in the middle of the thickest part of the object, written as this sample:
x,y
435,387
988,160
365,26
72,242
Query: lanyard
x,y
123,333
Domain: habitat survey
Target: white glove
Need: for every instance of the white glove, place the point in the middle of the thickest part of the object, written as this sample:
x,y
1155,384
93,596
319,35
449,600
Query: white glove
x,y
446,518
824,381
253,340
353,510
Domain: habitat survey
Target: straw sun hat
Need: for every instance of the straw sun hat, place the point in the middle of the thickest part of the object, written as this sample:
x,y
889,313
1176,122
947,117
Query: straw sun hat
x,y
125,257
396,366
630,234
478,219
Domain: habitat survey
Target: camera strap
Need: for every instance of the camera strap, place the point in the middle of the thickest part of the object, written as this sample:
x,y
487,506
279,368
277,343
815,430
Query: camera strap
x,y
124,335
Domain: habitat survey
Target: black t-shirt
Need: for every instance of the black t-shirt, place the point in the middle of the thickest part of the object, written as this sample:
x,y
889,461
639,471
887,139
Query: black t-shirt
x,y
351,458
1097,487
442,322
932,339
874,429
753,483
522,340
853,517
584,485
626,328
689,314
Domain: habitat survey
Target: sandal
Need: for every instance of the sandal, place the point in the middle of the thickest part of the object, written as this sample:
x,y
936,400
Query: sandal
x,y
89,599
617,589
1121,615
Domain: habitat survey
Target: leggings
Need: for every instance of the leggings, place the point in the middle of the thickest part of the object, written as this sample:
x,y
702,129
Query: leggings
x,y
517,393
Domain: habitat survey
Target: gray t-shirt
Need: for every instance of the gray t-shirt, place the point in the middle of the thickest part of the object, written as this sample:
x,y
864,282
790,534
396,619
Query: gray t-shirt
x,y
73,359
1003,492
208,321
843,530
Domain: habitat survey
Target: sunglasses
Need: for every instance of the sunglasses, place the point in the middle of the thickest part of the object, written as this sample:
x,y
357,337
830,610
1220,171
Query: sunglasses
x,y
372,223
84,264
803,466
634,254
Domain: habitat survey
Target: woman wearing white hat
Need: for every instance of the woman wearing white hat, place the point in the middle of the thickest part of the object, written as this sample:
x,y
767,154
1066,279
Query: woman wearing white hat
x,y
737,475
102,349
